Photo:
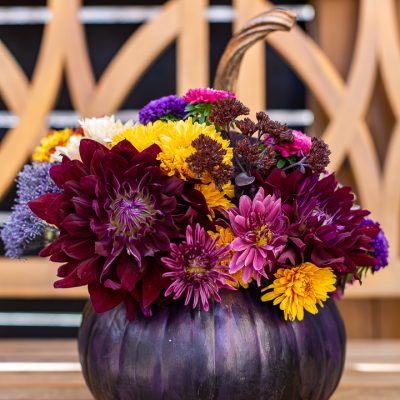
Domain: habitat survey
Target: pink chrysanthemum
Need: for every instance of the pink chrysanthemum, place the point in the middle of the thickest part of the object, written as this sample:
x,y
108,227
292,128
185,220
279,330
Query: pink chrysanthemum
x,y
206,95
259,226
300,146
197,268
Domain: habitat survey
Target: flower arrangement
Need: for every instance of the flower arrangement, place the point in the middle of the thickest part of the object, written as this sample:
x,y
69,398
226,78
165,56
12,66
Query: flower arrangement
x,y
194,199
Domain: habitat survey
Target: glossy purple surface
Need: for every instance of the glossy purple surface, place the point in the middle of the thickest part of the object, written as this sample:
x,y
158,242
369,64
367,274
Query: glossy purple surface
x,y
241,349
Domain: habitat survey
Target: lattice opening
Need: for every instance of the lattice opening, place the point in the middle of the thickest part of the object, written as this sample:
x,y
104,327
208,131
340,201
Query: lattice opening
x,y
380,119
346,177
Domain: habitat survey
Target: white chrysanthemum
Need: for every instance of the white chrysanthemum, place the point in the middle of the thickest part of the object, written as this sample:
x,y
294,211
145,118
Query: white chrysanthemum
x,y
104,129
71,150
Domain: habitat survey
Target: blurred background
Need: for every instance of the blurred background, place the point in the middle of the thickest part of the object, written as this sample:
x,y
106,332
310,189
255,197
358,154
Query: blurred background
x,y
336,75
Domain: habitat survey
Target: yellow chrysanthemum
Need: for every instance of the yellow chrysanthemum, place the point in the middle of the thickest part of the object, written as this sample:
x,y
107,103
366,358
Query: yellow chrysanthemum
x,y
299,288
216,199
175,141
141,136
226,237
49,143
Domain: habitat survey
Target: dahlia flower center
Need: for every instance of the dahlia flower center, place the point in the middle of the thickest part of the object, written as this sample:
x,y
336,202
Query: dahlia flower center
x,y
263,235
195,267
129,213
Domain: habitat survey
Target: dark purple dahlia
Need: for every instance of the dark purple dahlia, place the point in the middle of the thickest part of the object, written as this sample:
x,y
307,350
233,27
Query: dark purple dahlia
x,y
196,268
380,245
117,210
324,225
163,107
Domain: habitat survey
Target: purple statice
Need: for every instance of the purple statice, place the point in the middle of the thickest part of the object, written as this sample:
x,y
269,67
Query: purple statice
x,y
23,227
260,229
380,245
197,268
163,107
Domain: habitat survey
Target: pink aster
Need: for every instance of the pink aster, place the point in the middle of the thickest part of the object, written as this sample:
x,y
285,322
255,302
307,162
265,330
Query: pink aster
x,y
300,147
197,268
259,226
206,95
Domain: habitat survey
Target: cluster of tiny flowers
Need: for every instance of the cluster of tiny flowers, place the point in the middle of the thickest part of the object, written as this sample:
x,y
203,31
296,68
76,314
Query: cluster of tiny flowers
x,y
23,227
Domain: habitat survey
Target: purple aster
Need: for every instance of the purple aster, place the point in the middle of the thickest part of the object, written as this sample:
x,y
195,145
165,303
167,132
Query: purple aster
x,y
23,228
380,245
260,229
164,106
197,268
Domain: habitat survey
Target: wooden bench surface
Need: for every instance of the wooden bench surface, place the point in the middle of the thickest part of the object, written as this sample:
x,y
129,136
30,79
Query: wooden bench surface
x,y
49,369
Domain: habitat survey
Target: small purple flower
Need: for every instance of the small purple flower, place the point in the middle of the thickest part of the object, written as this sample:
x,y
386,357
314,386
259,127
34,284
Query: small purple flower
x,y
259,226
162,107
23,227
197,268
380,245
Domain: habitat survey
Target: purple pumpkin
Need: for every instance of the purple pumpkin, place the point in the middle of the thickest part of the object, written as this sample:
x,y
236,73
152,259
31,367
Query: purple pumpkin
x,y
241,349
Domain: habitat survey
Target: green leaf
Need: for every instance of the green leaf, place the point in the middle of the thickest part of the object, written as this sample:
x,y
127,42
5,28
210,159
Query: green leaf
x,y
281,163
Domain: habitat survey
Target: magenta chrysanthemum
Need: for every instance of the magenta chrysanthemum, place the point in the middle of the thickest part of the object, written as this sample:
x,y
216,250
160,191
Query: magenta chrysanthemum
x,y
197,268
259,227
116,212
300,146
206,95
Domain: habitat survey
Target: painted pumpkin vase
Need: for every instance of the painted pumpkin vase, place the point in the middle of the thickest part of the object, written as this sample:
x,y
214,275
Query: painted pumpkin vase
x,y
213,245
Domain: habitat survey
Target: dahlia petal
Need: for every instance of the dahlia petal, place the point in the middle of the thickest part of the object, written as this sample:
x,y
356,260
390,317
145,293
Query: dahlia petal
x,y
78,249
245,205
47,206
125,149
69,281
77,226
104,299
87,271
87,149
258,262
66,269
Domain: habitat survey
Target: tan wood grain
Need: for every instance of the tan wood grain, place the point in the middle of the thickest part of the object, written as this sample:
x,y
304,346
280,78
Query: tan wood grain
x,y
192,46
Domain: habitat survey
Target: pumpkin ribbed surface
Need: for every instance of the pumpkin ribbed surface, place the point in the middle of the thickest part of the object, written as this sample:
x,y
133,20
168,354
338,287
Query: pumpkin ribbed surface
x,y
241,349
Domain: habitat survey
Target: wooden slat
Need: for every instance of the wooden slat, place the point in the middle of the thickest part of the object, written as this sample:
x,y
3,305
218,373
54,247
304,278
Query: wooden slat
x,y
192,57
32,278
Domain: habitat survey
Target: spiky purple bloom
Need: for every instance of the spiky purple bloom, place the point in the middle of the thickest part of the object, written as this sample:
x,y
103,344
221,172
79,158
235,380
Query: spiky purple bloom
x,y
260,229
116,211
23,227
324,226
197,268
162,107
380,245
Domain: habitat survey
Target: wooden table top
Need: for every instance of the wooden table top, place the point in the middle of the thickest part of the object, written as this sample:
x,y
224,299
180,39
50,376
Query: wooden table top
x,y
49,370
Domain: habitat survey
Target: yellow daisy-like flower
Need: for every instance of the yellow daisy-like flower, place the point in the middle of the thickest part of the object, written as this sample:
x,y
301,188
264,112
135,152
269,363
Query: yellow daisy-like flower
x,y
226,237
141,136
299,288
216,199
49,143
175,141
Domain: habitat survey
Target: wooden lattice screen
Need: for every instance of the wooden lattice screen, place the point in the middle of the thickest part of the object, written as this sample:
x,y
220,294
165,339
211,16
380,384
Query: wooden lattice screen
x,y
372,156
